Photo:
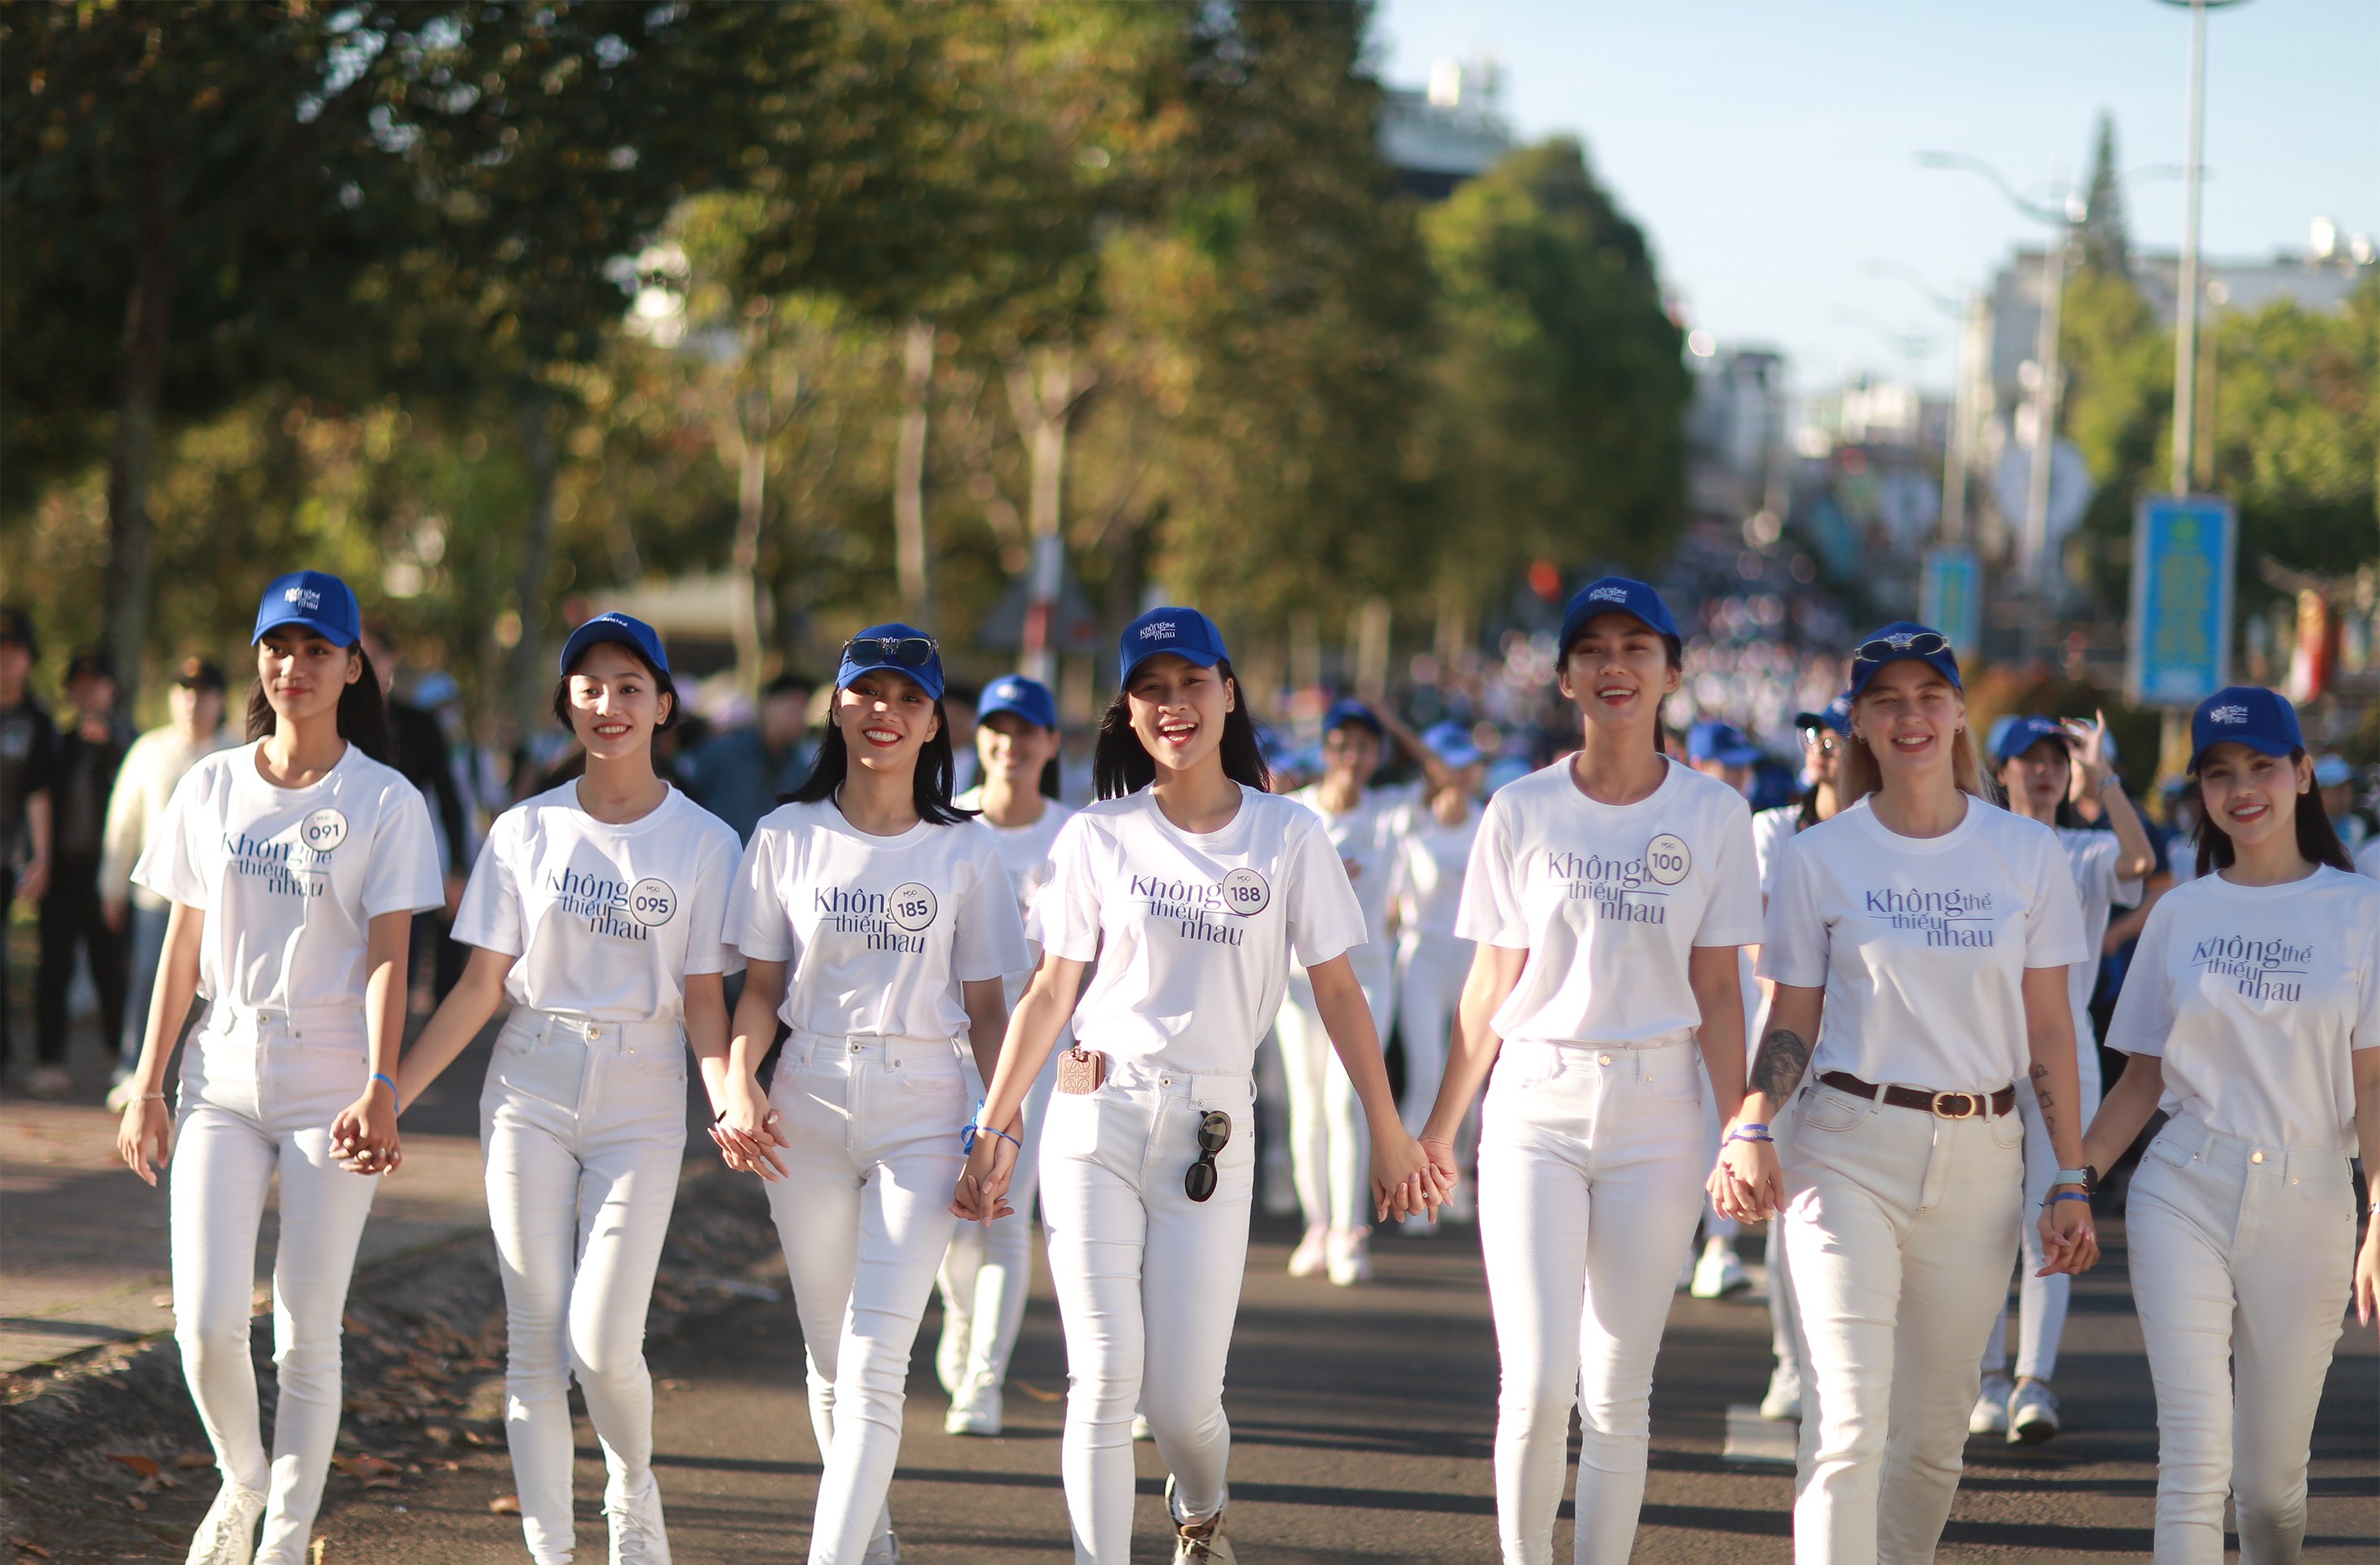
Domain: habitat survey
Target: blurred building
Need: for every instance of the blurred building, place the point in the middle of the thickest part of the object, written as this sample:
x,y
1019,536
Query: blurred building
x,y
1438,136
1735,430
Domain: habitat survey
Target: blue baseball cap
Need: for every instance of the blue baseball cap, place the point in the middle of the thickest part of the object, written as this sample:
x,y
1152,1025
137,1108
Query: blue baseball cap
x,y
2244,714
2332,771
316,600
1614,594
2019,735
628,631
1836,714
1450,742
1722,742
1901,641
1185,633
1028,699
904,648
1346,711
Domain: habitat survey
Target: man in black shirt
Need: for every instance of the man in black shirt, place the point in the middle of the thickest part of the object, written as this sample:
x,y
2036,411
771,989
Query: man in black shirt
x,y
90,750
28,756
418,748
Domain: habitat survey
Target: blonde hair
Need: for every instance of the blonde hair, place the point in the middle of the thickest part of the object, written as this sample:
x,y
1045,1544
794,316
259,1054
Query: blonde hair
x,y
1857,774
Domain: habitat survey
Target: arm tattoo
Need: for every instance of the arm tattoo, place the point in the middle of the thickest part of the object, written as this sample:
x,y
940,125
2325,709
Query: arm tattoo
x,y
1783,1058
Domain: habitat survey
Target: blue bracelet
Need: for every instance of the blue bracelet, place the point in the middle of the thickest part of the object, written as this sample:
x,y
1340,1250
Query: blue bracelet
x,y
968,1135
392,1090
1735,1136
2065,1195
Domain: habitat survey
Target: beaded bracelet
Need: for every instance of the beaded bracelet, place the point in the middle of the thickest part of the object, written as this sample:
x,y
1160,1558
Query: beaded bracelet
x,y
1737,1135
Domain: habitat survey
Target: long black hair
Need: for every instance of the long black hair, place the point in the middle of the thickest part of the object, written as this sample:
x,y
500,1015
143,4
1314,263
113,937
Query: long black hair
x,y
1122,765
2317,838
931,785
363,711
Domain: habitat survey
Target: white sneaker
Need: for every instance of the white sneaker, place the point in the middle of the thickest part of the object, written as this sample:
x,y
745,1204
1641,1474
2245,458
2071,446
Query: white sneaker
x,y
1991,1414
227,1535
1783,1401
1312,1253
976,1409
1140,1428
1718,1273
1198,1543
951,1351
637,1535
2032,1413
884,1551
1350,1256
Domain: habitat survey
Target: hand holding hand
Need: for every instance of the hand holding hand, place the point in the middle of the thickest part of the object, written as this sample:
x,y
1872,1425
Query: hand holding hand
x,y
1748,1185
363,1136
746,1132
981,1195
2069,1242
1403,1183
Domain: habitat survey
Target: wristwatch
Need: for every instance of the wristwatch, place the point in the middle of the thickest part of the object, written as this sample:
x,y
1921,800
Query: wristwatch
x,y
2086,1176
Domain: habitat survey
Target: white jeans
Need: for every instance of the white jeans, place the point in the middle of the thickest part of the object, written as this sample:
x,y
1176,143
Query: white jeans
x,y
1590,1176
2042,1300
1430,971
863,1216
584,1129
259,1093
1898,1227
1149,1284
2242,1258
1329,1150
988,1270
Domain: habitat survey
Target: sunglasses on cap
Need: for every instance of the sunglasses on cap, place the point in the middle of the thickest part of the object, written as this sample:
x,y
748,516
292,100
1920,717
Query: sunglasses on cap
x,y
1885,647
890,652
1214,1135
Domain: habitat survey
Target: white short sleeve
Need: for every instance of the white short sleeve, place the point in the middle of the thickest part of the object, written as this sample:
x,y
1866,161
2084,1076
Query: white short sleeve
x,y
167,865
491,917
403,875
987,942
1325,919
2144,1007
2053,919
2367,1019
1733,915
757,923
1794,937
1067,911
1490,909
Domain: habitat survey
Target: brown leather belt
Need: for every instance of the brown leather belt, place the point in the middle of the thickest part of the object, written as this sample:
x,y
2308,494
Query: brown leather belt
x,y
1942,1105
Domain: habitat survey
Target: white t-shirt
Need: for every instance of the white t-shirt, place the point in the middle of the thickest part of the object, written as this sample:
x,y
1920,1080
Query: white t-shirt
x,y
2254,995
1366,839
2368,861
1771,830
1024,853
881,931
1607,899
607,920
291,879
1922,942
1430,859
1193,931
2091,856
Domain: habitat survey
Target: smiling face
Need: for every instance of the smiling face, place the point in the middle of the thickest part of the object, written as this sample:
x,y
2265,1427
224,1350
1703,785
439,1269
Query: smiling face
x,y
1910,716
885,719
615,703
1178,708
2040,775
2253,796
304,674
1617,671
1014,750
1350,755
1822,752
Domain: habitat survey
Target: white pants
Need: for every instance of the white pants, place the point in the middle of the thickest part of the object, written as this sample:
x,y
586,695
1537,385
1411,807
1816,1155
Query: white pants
x,y
1897,1225
1590,1175
863,1216
988,1270
1431,972
1149,1284
1330,1151
2042,1300
259,1094
2241,1258
584,1129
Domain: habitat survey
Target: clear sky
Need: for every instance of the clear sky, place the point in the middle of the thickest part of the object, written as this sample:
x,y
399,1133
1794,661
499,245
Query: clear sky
x,y
1768,146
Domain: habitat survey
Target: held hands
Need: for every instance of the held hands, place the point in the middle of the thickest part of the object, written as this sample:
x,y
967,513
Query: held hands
x,y
982,1192
145,1133
2069,1242
746,1132
1405,1181
1747,1184
363,1138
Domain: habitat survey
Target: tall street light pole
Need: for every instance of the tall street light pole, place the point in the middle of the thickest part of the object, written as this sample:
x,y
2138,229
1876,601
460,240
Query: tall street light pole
x,y
2185,344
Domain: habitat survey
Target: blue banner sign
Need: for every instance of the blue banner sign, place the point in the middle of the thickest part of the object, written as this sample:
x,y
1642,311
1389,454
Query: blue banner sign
x,y
2183,551
1950,597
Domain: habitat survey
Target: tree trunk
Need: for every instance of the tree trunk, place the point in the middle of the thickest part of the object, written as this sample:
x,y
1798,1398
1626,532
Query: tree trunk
x,y
148,327
909,474
1043,404
754,422
530,685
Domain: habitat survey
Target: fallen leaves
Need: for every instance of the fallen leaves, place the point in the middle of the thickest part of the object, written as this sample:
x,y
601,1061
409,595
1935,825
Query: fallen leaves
x,y
505,1505
146,1466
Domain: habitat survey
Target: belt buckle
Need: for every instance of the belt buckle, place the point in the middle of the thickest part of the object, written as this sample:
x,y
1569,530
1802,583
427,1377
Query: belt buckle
x,y
1970,1106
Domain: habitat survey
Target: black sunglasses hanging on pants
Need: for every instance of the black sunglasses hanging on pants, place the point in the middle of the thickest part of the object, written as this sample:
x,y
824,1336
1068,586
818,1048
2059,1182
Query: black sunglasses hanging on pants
x,y
1214,1135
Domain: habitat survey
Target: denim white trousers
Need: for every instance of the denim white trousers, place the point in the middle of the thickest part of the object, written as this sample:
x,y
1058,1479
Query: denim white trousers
x,y
1329,1147
1590,1179
259,1093
2242,1260
583,1124
1149,1285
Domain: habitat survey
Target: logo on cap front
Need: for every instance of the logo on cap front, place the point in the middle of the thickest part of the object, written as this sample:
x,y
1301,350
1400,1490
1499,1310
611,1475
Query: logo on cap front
x,y
2227,714
1608,595
1158,630
304,596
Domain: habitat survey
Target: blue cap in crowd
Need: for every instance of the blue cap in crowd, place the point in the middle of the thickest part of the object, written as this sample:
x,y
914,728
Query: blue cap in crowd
x,y
1614,594
1028,699
626,629
1450,742
1722,742
316,600
1185,633
2019,735
1901,642
2244,714
1836,714
2332,771
904,648
1347,710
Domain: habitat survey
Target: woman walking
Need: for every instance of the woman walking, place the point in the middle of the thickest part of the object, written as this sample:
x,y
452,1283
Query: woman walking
x,y
2252,1015
1608,895
1195,888
1932,932
878,923
598,910
1433,849
294,865
989,1266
